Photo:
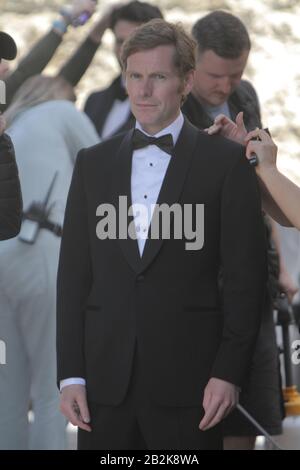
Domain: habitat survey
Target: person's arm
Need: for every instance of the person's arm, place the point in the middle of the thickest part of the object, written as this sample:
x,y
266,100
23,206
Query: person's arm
x,y
76,66
243,258
42,52
285,280
270,206
10,190
73,286
33,63
237,132
282,196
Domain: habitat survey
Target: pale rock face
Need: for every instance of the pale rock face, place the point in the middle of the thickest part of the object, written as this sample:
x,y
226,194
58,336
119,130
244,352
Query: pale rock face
x,y
273,66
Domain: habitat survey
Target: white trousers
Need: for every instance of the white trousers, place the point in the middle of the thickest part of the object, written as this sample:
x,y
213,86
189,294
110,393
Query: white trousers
x,y
27,328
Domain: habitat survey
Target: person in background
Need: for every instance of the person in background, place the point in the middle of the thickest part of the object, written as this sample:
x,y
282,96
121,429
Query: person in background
x,y
38,57
280,196
10,191
47,131
109,109
223,47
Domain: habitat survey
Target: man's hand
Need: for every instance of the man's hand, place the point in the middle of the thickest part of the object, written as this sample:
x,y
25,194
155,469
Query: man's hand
x,y
264,147
235,131
220,397
73,405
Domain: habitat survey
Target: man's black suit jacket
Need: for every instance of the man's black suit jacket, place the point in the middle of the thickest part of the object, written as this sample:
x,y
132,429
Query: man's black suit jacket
x,y
168,300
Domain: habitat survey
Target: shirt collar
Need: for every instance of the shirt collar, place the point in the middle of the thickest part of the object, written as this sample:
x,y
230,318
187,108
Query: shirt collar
x,y
174,128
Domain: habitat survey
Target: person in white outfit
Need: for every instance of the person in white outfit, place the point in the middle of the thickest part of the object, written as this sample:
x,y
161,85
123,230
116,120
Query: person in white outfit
x,y
47,131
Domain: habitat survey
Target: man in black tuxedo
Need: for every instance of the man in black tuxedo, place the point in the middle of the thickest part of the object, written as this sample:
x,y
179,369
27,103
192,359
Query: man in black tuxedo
x,y
109,109
149,356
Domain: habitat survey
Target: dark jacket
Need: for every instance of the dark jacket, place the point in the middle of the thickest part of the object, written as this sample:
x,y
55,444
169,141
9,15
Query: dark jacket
x,y
167,300
10,191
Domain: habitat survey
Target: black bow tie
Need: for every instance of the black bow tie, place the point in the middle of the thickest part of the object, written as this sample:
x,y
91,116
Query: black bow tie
x,y
141,140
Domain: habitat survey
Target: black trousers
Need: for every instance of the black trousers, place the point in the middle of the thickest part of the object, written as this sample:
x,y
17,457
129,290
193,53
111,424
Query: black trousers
x,y
139,424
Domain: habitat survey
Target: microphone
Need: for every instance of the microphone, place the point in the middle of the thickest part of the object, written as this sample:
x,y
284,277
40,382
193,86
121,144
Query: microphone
x,y
254,158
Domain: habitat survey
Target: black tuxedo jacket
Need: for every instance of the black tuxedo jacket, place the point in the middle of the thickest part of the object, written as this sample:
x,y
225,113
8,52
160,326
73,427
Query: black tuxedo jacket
x,y
99,105
168,300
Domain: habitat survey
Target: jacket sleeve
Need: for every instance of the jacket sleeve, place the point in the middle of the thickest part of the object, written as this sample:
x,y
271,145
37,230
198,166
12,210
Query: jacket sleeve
x,y
10,191
32,64
73,280
243,252
76,66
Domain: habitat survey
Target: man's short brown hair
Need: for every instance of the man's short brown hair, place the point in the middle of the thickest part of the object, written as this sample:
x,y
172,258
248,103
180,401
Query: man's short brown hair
x,y
223,33
135,12
157,33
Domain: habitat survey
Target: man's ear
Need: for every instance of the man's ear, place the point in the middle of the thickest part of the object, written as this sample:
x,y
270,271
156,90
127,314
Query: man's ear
x,y
188,82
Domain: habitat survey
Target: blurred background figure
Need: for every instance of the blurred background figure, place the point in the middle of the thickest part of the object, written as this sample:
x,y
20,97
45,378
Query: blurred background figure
x,y
109,109
223,47
280,196
279,188
47,131
38,57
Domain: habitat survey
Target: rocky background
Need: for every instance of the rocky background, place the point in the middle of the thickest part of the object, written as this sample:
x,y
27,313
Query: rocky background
x,y
274,65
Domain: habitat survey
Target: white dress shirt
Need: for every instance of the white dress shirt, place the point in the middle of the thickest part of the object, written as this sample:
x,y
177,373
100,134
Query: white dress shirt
x,y
117,116
149,166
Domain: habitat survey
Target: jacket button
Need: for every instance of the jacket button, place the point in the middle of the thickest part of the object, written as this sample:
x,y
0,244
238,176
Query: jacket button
x,y
140,278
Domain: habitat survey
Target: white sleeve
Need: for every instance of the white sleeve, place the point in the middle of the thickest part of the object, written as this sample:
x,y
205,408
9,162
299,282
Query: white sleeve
x,y
81,132
71,381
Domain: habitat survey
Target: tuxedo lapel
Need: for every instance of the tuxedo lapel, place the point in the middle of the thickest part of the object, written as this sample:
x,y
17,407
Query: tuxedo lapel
x,y
173,183
122,187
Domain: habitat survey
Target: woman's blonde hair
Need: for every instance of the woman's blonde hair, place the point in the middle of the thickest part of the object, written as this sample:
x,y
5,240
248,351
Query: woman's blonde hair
x,y
36,90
